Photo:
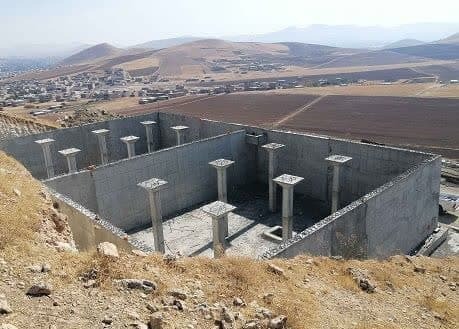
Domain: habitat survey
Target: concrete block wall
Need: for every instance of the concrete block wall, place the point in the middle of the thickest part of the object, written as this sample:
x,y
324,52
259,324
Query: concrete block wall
x,y
371,166
88,229
392,219
304,155
78,187
404,212
30,154
191,179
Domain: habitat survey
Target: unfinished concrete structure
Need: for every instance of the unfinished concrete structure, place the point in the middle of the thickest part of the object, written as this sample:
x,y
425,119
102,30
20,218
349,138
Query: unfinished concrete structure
x,y
387,204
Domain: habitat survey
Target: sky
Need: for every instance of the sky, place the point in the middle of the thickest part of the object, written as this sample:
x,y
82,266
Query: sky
x,y
128,22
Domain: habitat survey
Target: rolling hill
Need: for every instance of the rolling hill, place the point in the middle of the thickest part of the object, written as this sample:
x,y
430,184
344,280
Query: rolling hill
x,y
444,51
452,39
226,60
93,54
166,43
403,43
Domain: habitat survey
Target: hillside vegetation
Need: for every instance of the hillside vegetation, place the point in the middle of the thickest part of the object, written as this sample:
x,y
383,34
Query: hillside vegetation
x,y
80,290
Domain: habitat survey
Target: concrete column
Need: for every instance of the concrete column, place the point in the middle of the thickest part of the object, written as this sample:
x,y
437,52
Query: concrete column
x,y
221,165
101,137
287,182
149,130
337,161
218,211
130,144
154,186
44,143
71,160
180,131
272,167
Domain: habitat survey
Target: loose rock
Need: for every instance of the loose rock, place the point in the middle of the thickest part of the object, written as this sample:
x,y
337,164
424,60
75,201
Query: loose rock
x,y
156,321
108,249
40,268
142,284
4,307
107,320
276,269
278,322
178,294
39,289
362,280
238,301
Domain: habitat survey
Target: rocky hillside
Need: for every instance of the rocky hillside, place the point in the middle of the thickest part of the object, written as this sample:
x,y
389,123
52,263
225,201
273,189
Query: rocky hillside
x,y
46,283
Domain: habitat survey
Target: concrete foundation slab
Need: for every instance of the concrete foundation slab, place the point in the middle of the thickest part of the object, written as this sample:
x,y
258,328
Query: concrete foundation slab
x,y
190,233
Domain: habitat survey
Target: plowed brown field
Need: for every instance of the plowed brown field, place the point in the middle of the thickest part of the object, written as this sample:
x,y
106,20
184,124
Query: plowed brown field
x,y
430,124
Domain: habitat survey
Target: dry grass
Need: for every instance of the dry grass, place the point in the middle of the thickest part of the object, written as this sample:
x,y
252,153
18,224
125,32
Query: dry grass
x,y
446,310
20,204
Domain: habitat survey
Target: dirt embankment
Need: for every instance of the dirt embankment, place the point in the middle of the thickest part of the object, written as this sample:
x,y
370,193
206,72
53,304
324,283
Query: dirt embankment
x,y
11,127
44,283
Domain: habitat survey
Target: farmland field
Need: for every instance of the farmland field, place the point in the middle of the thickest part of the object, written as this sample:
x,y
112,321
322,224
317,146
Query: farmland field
x,y
248,108
425,123
429,124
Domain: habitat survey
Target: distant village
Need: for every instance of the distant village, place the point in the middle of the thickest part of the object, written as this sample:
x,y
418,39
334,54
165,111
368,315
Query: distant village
x,y
115,83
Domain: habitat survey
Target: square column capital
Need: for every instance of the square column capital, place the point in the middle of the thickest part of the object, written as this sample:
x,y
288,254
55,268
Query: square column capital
x,y
338,160
129,139
180,128
286,180
153,184
148,123
45,141
100,132
69,152
221,163
218,209
272,146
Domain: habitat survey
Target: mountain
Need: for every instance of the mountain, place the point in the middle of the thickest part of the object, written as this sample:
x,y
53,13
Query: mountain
x,y
92,54
403,43
443,51
354,36
452,39
166,43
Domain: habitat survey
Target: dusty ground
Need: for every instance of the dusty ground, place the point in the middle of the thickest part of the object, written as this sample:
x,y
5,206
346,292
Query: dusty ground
x,y
411,292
